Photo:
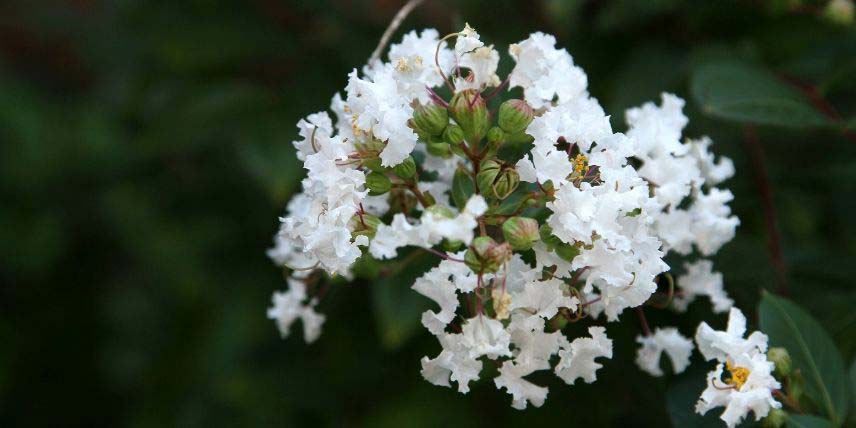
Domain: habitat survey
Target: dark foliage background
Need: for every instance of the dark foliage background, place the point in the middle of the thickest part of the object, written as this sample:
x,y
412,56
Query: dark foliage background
x,y
146,156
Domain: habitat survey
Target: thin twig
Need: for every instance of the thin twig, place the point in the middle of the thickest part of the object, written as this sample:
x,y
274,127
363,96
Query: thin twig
x,y
765,190
643,321
396,22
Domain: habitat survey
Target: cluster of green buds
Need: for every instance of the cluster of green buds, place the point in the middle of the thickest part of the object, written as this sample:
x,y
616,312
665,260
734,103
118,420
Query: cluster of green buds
x,y
792,386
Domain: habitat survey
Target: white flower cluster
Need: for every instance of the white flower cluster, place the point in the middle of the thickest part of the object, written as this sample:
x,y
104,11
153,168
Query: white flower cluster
x,y
610,207
750,381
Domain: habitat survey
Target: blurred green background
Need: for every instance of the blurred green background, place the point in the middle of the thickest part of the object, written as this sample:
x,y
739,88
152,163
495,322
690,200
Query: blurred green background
x,y
146,155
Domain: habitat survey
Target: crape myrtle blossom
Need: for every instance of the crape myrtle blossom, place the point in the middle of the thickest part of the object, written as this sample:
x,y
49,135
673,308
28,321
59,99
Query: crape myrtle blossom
x,y
749,383
572,222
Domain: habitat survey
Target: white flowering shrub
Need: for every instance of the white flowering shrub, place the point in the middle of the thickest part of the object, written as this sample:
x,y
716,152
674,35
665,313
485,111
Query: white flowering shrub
x,y
538,213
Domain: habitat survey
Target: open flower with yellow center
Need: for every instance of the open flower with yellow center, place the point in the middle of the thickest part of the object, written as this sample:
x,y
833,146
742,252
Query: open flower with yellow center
x,y
743,379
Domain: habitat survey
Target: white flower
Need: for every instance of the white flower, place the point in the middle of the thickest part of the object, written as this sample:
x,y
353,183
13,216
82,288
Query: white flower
x,y
522,391
454,363
713,172
545,72
578,359
667,340
700,280
720,345
713,225
750,388
436,285
291,305
485,336
543,299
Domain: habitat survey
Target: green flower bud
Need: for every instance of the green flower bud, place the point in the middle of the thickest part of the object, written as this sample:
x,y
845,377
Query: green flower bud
x,y
440,149
454,135
470,113
496,181
515,116
776,418
365,225
485,255
429,119
406,169
377,183
782,359
452,245
488,172
369,152
495,136
520,232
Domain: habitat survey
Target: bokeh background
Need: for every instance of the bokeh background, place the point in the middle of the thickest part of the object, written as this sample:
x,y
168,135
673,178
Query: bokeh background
x,y
146,155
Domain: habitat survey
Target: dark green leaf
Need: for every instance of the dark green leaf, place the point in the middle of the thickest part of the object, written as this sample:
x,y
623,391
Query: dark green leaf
x,y
807,421
812,351
747,93
462,188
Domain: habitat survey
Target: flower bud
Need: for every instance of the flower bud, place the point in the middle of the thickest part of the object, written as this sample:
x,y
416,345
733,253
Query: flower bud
x,y
406,169
488,171
515,116
470,113
377,183
496,181
520,232
776,418
495,136
485,255
430,119
364,225
368,153
782,359
453,135
439,149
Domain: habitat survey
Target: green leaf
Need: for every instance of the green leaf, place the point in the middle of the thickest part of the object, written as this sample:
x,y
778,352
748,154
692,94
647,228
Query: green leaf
x,y
462,188
750,94
812,351
807,421
397,308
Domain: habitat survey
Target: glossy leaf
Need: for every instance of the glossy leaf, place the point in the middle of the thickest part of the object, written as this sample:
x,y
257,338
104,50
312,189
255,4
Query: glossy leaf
x,y
462,188
807,421
812,350
750,94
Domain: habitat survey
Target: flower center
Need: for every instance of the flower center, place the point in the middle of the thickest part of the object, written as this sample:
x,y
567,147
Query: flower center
x,y
739,375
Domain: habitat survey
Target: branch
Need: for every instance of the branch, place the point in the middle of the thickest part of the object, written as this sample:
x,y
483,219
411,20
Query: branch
x,y
396,22
756,156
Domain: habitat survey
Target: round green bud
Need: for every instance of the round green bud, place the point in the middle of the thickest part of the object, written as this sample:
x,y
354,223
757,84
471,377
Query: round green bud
x,y
782,359
430,119
520,232
470,112
452,245
406,169
488,171
506,183
776,418
439,149
377,183
454,135
485,255
495,136
515,116
364,225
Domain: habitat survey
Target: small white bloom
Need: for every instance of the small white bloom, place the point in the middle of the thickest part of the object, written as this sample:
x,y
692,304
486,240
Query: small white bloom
x,y
522,391
485,336
700,280
454,363
720,345
667,340
749,387
578,359
290,306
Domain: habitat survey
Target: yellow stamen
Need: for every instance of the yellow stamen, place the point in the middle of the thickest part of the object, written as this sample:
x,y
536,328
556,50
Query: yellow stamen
x,y
739,375
580,164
